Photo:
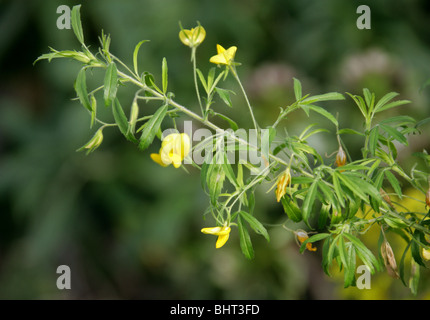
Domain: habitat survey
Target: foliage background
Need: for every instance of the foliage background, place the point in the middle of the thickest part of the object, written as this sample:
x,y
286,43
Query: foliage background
x,y
130,229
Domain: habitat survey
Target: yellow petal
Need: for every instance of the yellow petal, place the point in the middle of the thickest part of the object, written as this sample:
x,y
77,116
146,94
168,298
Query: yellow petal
x,y
165,157
214,230
218,59
230,53
170,140
157,158
185,145
217,231
219,49
175,159
222,239
199,34
185,36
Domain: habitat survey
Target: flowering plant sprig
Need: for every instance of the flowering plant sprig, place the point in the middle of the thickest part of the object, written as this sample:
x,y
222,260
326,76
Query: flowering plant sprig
x,y
337,198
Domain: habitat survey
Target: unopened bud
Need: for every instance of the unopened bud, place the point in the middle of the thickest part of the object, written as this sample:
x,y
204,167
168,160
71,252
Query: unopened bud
x,y
134,113
340,157
94,143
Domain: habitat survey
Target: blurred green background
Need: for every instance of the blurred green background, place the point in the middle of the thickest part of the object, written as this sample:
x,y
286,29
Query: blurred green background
x,y
129,229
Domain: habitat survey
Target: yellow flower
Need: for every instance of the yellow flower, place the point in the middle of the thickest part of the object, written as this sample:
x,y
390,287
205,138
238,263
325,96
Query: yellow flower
x,y
302,236
222,232
192,38
282,184
224,56
174,148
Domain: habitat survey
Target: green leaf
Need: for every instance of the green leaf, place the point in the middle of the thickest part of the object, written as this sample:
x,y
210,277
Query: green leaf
x,y
312,239
402,264
293,212
211,78
228,170
225,96
216,181
202,80
393,104
324,113
81,89
110,84
394,134
351,186
328,193
360,103
135,53
245,240
297,89
394,183
350,131
255,224
373,140
327,255
121,120
308,203
338,189
164,78
400,120
324,97
231,122
349,276
384,100
364,253
151,129
76,23
422,122
369,98
418,236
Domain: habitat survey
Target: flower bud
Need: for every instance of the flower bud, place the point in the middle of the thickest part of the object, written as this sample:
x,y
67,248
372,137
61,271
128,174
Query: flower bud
x,y
94,143
340,157
192,38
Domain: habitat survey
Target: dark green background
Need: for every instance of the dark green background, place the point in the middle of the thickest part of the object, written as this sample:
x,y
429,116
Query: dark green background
x,y
130,229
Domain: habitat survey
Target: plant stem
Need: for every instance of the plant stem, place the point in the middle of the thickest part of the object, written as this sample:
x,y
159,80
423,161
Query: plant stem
x,y
193,59
233,70
193,115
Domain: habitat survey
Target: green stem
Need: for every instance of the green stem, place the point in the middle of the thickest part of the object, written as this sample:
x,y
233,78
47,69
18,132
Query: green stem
x,y
193,59
233,70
